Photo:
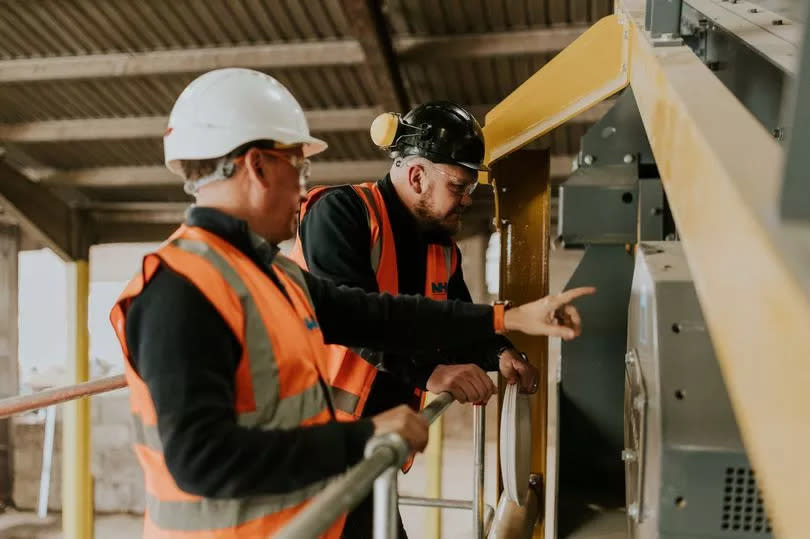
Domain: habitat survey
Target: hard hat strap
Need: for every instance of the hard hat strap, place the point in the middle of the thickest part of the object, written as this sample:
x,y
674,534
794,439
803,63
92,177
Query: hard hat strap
x,y
225,169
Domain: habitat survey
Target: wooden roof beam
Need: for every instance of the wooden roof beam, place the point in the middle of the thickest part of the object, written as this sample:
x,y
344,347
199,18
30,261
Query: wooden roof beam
x,y
323,173
354,119
277,55
326,120
44,215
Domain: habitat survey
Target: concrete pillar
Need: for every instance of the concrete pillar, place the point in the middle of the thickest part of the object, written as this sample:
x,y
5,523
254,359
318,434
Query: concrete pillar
x,y
9,376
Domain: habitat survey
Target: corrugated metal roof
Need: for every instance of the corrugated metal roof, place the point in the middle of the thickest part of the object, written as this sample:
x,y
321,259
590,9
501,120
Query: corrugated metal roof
x,y
470,81
62,29
431,17
169,193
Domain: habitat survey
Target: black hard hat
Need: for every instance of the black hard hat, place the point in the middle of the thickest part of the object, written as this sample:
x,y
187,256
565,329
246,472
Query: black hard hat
x,y
440,131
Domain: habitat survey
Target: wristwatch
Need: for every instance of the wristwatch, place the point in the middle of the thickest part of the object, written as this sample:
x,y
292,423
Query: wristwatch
x,y
523,355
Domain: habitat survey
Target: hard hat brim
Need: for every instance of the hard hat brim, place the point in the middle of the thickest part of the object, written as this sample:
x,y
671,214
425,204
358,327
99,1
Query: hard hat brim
x,y
473,166
211,143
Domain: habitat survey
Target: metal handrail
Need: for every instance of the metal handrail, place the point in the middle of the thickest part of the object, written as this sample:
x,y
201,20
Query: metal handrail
x,y
42,399
342,495
446,503
384,455
479,434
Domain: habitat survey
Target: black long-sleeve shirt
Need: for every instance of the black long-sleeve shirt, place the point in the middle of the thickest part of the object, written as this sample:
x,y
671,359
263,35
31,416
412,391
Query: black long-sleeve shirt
x,y
187,356
336,240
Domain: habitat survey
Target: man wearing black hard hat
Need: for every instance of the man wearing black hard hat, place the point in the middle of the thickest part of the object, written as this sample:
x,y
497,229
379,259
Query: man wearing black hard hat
x,y
395,235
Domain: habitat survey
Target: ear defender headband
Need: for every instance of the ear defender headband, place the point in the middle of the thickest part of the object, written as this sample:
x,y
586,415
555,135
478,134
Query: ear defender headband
x,y
388,129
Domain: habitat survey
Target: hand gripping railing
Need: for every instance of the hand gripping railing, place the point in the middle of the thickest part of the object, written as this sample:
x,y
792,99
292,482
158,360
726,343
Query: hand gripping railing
x,y
384,455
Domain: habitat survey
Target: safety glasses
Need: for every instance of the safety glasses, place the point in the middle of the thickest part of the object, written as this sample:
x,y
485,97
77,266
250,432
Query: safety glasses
x,y
301,164
457,185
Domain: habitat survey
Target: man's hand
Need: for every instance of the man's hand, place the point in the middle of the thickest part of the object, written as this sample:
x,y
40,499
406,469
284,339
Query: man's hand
x,y
404,421
516,370
551,315
467,383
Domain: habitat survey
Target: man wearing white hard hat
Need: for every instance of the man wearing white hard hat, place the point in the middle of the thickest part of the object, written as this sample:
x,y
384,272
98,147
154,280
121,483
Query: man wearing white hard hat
x,y
224,338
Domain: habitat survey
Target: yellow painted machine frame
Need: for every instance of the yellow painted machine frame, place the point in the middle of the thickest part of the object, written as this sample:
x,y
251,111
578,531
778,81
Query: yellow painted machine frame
x,y
722,174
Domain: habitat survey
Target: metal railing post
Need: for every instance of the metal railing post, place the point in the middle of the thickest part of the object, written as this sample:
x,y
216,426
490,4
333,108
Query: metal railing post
x,y
385,486
385,505
47,461
479,435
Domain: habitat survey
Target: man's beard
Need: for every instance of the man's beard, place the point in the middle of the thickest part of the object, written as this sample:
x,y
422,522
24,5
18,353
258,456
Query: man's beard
x,y
429,223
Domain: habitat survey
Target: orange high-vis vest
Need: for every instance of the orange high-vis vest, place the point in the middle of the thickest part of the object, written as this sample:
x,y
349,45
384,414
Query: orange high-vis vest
x,y
350,376
277,382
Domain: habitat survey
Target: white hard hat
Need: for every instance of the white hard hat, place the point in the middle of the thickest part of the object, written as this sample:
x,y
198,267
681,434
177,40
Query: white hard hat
x,y
226,108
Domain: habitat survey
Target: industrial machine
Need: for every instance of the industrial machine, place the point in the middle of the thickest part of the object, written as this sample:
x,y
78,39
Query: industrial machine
x,y
687,474
691,202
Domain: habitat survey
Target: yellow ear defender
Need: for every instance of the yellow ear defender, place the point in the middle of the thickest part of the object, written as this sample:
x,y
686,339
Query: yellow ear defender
x,y
384,129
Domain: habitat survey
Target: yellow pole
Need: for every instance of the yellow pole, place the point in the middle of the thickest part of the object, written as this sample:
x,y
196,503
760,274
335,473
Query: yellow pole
x,y
523,193
433,453
77,496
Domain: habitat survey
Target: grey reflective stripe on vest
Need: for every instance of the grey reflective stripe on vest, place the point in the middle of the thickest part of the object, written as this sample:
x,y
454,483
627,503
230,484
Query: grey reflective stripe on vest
x,y
376,247
344,401
292,410
448,259
212,514
294,272
290,413
270,411
263,367
146,434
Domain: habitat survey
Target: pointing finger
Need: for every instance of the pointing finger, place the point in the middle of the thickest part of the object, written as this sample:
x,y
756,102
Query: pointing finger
x,y
570,295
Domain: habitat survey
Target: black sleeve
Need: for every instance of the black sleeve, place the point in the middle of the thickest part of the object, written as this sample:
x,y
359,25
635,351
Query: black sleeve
x,y
353,317
484,355
187,356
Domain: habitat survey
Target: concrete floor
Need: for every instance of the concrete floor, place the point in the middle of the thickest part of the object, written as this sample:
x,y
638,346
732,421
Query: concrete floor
x,y
26,525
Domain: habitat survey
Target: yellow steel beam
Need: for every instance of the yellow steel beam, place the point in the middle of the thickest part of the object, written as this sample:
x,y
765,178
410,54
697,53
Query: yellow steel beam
x,y
590,69
721,170
77,495
523,192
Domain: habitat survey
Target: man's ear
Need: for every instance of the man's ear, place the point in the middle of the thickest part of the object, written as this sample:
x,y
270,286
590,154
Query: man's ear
x,y
416,178
256,163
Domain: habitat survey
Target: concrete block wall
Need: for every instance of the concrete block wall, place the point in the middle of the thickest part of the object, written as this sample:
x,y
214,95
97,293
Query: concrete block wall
x,y
28,434
117,478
